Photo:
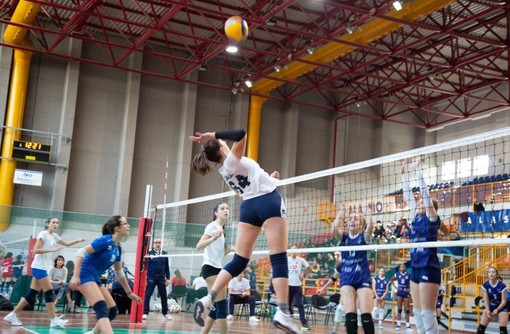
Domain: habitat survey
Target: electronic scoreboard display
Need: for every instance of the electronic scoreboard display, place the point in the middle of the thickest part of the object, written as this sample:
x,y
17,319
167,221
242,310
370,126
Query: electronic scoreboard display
x,y
31,151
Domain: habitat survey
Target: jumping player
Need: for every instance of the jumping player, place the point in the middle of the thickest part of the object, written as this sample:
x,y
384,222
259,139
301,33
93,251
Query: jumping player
x,y
262,206
426,273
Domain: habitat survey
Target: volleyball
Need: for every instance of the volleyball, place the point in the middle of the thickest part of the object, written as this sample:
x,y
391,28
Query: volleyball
x,y
236,29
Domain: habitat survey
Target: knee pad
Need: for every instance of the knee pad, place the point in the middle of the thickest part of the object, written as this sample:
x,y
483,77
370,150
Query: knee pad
x,y
481,329
101,310
429,321
237,265
351,323
279,264
221,309
407,311
339,312
112,313
30,296
503,330
367,323
399,311
48,296
418,320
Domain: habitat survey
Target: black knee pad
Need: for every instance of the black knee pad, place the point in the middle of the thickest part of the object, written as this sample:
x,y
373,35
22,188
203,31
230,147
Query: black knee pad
x,y
481,329
237,265
351,323
101,309
280,265
30,296
368,323
399,311
221,309
48,296
112,313
503,330
407,311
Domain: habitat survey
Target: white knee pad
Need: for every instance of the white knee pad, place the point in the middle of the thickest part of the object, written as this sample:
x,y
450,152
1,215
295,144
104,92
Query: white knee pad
x,y
418,320
339,312
429,321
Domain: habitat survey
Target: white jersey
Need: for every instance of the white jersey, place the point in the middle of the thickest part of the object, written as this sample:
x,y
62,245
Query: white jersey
x,y
239,286
43,261
215,251
295,267
199,282
246,177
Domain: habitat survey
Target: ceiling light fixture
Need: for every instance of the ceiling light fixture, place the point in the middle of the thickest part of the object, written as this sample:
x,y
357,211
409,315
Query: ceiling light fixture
x,y
232,48
203,68
310,48
272,21
277,67
349,29
397,4
247,80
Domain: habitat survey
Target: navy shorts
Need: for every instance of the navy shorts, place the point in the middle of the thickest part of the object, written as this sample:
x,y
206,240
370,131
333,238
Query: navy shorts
x,y
208,271
255,211
403,293
426,275
356,283
493,307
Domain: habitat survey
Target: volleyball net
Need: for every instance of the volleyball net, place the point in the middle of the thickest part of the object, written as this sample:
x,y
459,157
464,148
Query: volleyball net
x,y
469,178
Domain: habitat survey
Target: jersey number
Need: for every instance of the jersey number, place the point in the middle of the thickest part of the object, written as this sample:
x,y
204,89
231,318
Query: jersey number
x,y
242,182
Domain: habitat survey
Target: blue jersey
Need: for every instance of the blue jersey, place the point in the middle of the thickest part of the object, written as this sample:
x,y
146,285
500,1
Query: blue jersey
x,y
403,280
354,270
423,230
106,253
380,285
495,294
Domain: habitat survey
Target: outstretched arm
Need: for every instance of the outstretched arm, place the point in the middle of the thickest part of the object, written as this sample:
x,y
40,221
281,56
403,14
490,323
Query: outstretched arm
x,y
408,194
367,211
425,196
339,222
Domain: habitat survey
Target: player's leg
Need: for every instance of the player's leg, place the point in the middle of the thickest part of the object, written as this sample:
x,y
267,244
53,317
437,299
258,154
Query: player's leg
x,y
95,297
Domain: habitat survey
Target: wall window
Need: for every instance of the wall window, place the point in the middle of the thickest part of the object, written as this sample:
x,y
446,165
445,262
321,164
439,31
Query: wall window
x,y
448,171
481,165
464,168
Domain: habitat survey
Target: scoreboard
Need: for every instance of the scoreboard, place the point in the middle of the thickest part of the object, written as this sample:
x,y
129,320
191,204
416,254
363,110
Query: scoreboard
x,y
31,151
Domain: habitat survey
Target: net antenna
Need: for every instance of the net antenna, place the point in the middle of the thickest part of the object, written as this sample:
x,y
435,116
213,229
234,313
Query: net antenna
x,y
163,220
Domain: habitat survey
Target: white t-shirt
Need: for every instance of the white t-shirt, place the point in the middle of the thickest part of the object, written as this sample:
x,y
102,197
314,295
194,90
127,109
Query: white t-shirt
x,y
44,261
295,267
246,177
199,282
239,286
215,251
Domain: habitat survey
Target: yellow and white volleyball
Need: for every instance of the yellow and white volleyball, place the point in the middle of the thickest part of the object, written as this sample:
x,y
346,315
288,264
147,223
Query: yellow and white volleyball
x,y
236,29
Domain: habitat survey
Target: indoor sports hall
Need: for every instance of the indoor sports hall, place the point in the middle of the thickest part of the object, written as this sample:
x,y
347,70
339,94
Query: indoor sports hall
x,y
379,112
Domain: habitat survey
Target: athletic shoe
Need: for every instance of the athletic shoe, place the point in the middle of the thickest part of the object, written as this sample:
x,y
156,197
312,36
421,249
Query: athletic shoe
x,y
144,317
397,329
285,322
254,319
90,332
70,305
77,309
202,308
58,322
230,317
166,316
380,325
333,332
13,319
409,329
305,327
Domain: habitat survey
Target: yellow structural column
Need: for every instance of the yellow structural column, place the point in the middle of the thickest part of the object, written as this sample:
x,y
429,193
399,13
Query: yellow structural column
x,y
256,103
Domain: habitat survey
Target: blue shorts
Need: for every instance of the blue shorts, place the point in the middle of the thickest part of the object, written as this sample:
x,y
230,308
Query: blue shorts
x,y
426,275
356,282
39,273
493,307
85,278
403,293
256,211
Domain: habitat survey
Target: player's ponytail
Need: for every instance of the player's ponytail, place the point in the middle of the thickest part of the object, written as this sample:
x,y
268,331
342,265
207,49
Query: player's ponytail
x,y
111,224
210,152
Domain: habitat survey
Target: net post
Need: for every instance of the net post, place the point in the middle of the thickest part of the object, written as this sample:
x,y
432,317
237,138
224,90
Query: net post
x,y
143,244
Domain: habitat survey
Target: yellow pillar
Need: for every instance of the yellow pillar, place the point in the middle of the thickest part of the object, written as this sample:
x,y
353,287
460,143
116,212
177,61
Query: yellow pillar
x,y
256,103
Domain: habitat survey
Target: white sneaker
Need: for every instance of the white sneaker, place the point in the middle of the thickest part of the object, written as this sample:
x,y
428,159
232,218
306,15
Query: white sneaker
x,y
58,322
254,319
201,311
89,332
144,317
166,316
397,329
13,319
409,329
230,317
285,322
380,325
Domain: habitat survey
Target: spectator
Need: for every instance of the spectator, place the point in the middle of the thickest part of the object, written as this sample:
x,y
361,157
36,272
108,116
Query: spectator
x,y
198,283
296,275
178,280
58,276
314,269
326,270
239,292
17,268
252,277
398,229
478,206
6,273
379,232
121,298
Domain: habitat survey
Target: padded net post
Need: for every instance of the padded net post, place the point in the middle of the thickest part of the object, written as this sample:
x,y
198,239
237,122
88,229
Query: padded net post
x,y
144,238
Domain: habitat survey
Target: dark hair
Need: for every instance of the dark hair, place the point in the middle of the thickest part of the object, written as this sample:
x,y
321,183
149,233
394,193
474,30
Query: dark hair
x,y
60,257
210,151
9,254
48,221
111,224
216,207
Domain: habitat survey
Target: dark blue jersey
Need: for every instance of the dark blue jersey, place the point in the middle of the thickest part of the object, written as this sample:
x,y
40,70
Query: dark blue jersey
x,y
105,254
158,266
423,230
494,293
380,285
354,269
403,280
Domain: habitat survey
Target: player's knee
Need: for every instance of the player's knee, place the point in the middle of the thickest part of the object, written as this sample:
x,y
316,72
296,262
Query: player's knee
x,y
237,265
101,309
407,311
221,309
503,330
279,264
399,311
351,323
368,323
112,313
30,296
48,296
481,329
